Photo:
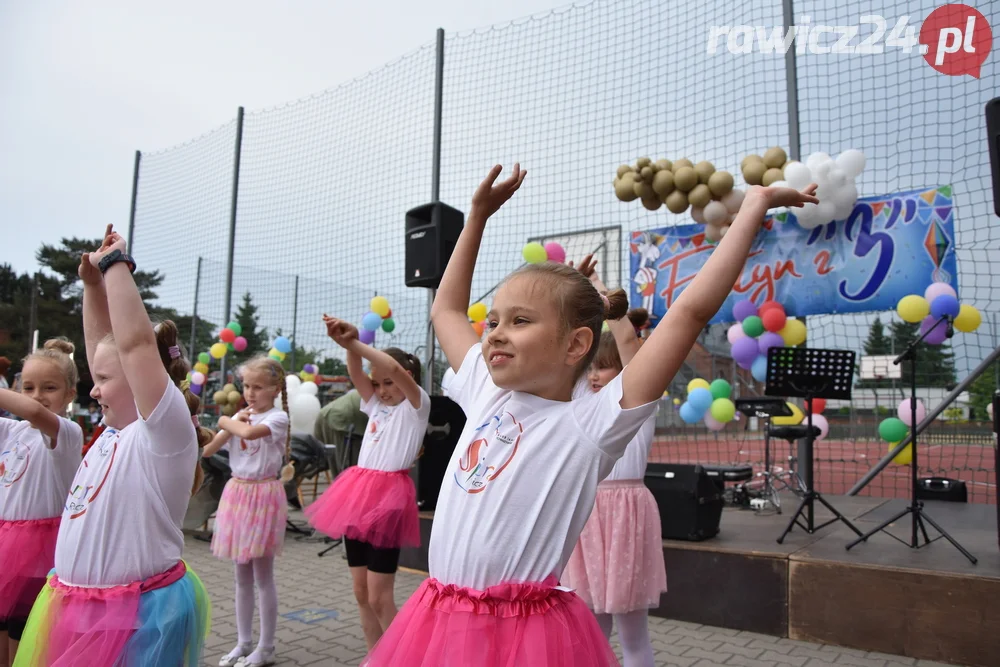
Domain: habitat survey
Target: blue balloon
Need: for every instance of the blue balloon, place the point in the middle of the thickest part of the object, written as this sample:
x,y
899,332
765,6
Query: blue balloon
x,y
945,304
283,345
689,414
701,400
371,321
759,369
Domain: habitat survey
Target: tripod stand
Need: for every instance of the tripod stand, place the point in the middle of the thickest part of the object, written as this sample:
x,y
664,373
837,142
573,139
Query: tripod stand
x,y
765,408
809,374
916,507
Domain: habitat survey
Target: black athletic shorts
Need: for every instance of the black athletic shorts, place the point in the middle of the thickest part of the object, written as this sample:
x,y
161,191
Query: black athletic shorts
x,y
14,627
362,554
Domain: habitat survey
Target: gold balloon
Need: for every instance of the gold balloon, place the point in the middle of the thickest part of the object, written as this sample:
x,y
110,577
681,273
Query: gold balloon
x,y
643,162
770,176
625,187
683,162
663,183
700,195
643,190
753,157
704,169
234,397
775,157
720,183
647,174
664,164
623,169
229,387
220,397
753,172
685,178
651,203
677,201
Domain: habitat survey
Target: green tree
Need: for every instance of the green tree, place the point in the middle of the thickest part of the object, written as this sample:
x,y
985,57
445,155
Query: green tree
x,y
877,344
257,338
935,363
204,335
981,392
332,366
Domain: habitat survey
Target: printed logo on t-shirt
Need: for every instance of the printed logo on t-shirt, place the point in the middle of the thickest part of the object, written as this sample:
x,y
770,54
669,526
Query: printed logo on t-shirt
x,y
493,447
378,423
250,448
14,463
101,457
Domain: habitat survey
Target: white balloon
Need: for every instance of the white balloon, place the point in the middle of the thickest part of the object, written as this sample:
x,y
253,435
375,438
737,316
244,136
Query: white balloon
x,y
821,172
822,424
722,231
732,200
825,211
846,195
698,214
852,162
779,184
715,213
309,388
304,409
842,211
292,383
817,159
798,175
807,216
713,233
837,176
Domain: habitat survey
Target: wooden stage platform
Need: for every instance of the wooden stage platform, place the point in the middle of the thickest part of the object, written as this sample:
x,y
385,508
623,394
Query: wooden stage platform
x,y
928,603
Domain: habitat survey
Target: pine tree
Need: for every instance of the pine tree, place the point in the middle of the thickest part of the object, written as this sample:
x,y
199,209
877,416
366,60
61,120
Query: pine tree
x,y
877,344
935,363
257,339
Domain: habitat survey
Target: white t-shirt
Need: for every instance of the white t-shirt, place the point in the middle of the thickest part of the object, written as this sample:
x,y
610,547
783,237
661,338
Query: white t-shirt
x,y
122,519
446,379
394,434
521,484
260,458
632,465
34,477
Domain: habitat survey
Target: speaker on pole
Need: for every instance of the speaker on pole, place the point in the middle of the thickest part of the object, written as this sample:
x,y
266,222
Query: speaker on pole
x,y
431,233
993,138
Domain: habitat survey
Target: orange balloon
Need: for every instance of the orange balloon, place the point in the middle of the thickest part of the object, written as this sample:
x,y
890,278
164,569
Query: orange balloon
x,y
479,328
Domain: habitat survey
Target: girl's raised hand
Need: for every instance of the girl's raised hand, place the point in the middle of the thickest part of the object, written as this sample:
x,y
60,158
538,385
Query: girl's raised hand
x,y
776,197
112,241
488,197
243,416
340,331
587,266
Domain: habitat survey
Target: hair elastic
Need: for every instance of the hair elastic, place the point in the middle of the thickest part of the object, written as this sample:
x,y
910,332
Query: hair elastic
x,y
194,420
175,352
607,303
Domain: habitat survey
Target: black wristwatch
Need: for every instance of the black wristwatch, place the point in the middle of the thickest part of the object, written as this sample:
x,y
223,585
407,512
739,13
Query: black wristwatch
x,y
113,258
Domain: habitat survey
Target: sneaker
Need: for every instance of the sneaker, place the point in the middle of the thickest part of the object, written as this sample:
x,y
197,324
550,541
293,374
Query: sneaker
x,y
235,656
261,657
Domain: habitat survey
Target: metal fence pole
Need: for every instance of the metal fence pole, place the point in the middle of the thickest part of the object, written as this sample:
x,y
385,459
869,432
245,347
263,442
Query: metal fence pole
x,y
33,315
295,321
232,224
435,197
194,311
135,192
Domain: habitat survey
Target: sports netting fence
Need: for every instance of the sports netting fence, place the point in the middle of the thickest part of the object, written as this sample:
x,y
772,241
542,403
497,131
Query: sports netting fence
x,y
324,182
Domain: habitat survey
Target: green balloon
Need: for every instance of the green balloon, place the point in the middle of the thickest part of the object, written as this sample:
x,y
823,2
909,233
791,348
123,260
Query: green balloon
x,y
230,347
892,429
753,326
235,328
720,389
388,324
205,358
723,410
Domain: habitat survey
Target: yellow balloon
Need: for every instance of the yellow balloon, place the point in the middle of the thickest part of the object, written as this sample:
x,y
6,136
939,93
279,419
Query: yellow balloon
x,y
913,308
698,383
276,353
677,401
201,368
793,333
477,312
218,350
969,318
380,306
534,253
796,418
905,457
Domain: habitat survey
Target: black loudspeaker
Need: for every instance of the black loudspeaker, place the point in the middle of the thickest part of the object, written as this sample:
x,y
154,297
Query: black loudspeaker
x,y
942,488
993,137
431,233
689,500
443,430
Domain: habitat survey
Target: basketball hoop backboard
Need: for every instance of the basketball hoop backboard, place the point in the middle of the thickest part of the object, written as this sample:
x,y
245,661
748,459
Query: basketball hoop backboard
x,y
879,367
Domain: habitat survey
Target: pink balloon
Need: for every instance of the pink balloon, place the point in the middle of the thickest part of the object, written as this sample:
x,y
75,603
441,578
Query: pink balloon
x,y
712,423
823,425
904,412
240,344
937,289
555,252
735,333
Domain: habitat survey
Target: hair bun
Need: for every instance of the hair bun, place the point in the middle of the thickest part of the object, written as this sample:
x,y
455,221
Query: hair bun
x,y
60,344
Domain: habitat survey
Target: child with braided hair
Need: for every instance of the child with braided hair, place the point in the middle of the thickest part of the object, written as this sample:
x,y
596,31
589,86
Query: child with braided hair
x,y
250,521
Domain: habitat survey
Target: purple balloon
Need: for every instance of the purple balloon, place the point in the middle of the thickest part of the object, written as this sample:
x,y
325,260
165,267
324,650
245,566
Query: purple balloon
x,y
367,337
195,389
744,309
768,340
939,333
745,351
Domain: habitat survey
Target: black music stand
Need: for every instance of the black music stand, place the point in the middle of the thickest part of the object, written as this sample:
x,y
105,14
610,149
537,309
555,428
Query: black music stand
x,y
810,373
916,507
766,408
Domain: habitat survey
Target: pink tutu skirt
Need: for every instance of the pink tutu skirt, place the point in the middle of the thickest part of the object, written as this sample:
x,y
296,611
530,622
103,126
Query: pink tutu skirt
x,y
522,625
250,521
28,553
371,506
617,564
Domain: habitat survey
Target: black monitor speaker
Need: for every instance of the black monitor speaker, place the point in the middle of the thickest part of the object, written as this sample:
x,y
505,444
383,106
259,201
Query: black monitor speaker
x,y
431,233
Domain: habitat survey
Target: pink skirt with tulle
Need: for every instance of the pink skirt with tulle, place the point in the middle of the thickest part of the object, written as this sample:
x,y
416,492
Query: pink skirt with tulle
x,y
617,564
522,625
250,521
28,553
371,506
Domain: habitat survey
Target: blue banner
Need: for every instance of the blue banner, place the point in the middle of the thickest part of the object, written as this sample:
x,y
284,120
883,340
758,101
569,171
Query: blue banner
x,y
889,246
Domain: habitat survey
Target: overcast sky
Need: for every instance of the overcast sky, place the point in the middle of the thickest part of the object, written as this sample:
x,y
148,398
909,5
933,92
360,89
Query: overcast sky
x,y
85,84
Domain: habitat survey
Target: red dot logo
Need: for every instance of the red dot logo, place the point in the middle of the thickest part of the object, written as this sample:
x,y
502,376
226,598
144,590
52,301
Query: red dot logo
x,y
956,40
